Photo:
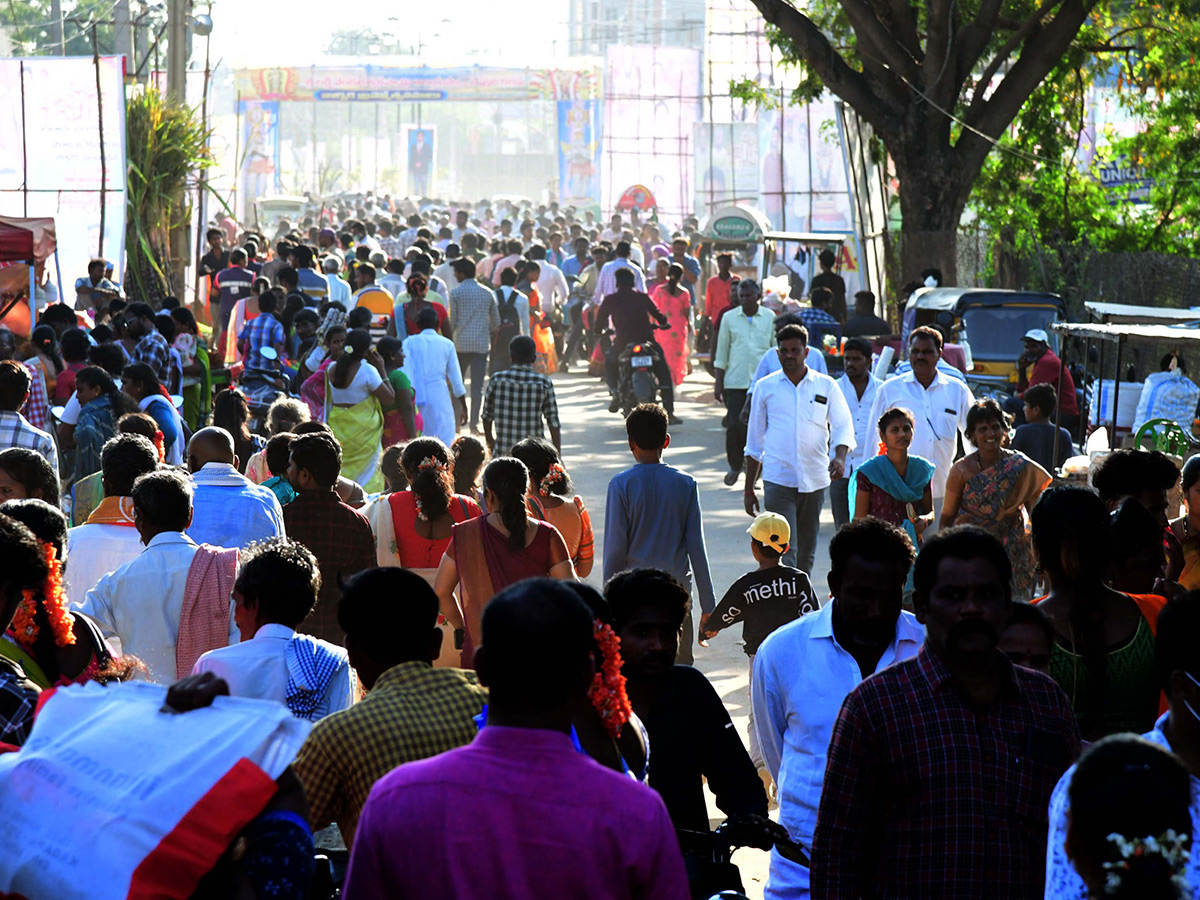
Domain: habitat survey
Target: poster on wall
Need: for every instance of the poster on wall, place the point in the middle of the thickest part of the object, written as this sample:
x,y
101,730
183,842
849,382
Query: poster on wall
x,y
259,163
68,167
727,164
419,141
579,154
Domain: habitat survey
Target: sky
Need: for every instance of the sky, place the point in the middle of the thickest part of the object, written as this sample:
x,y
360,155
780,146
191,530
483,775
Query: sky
x,y
298,33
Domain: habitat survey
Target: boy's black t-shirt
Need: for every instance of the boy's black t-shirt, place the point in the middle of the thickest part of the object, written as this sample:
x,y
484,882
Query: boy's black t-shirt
x,y
763,600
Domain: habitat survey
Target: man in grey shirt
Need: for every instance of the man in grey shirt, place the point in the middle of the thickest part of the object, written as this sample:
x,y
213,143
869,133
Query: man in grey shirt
x,y
652,517
475,318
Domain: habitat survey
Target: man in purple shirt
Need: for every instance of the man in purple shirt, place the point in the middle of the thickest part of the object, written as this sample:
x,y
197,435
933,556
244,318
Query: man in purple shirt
x,y
519,812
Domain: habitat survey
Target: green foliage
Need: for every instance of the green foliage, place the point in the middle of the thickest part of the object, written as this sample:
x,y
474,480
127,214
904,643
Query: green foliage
x,y
1038,198
167,148
28,25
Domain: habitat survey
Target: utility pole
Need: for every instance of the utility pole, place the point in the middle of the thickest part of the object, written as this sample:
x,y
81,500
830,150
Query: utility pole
x,y
177,49
123,35
57,32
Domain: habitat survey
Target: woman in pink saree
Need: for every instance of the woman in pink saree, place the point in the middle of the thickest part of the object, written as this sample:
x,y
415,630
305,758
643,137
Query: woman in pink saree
x,y
675,303
489,553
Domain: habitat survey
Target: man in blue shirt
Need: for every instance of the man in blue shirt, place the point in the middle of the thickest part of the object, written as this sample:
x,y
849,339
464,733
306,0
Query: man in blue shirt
x,y
264,330
573,265
230,510
652,517
233,284
313,285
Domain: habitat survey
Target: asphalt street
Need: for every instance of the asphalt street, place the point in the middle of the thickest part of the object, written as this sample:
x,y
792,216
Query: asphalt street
x,y
595,448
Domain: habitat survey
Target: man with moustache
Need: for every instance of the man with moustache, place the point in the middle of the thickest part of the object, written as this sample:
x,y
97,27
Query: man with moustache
x,y
803,671
941,767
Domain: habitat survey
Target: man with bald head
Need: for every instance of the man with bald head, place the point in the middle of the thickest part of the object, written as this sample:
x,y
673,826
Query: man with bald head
x,y
230,509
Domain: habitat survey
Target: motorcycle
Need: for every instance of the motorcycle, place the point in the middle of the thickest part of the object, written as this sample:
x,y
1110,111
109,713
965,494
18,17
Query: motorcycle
x,y
637,382
707,855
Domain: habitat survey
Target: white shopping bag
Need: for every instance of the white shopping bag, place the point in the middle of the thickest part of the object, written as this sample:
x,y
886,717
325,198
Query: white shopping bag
x,y
112,798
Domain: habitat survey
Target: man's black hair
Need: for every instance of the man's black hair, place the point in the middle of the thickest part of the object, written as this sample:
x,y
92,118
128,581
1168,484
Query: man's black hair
x,y
464,267
522,350
268,302
124,459
281,577
139,310
792,333
1175,645
74,345
1132,471
389,614
164,498
871,539
960,542
278,451
634,589
535,644
15,381
862,345
646,426
321,454
624,277
288,277
1042,397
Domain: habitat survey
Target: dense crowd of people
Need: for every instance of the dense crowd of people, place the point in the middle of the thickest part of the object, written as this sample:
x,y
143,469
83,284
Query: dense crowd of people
x,y
285,495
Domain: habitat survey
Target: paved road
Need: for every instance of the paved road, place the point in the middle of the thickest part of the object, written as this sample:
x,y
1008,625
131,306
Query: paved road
x,y
595,448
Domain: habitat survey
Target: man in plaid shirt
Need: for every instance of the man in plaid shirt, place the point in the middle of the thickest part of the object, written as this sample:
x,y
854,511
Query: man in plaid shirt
x,y
152,348
517,400
15,430
941,767
475,319
817,318
264,330
411,711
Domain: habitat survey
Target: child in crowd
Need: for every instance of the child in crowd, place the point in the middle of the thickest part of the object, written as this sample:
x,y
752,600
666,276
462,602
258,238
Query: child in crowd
x,y
1036,438
1029,638
278,449
394,478
764,599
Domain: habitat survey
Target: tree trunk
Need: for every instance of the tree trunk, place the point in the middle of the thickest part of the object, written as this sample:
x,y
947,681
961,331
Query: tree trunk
x,y
931,204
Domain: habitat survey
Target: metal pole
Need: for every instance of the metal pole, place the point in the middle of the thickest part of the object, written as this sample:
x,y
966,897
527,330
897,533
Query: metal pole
x,y
177,13
1116,394
1062,367
100,119
57,32
201,183
24,148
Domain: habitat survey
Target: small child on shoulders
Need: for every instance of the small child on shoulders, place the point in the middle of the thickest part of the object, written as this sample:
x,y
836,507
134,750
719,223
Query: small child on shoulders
x,y
278,451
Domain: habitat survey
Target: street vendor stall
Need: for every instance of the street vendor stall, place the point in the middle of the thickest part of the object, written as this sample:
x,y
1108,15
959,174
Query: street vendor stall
x,y
1174,336
25,245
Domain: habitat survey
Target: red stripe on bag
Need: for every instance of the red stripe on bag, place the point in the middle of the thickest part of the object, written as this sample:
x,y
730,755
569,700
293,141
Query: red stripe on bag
x,y
193,846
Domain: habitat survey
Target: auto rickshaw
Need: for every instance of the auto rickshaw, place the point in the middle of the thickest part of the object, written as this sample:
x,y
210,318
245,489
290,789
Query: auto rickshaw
x,y
989,324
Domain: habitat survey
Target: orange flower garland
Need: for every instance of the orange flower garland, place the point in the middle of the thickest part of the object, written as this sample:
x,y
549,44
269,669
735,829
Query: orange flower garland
x,y
607,692
24,628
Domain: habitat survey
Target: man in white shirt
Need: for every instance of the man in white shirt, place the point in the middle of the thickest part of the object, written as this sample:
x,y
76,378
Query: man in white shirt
x,y
339,288
804,670
859,387
796,416
276,589
393,281
109,539
431,364
607,282
230,509
551,282
142,601
939,406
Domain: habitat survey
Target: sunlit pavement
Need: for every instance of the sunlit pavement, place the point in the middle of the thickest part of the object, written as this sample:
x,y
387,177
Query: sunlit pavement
x,y
595,448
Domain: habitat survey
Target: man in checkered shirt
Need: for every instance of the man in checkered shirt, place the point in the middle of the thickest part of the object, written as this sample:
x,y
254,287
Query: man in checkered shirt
x,y
517,401
15,430
941,767
151,348
475,318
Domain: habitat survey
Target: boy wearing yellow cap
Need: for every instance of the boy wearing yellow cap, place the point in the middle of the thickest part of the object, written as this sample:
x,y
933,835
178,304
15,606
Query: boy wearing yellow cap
x,y
763,599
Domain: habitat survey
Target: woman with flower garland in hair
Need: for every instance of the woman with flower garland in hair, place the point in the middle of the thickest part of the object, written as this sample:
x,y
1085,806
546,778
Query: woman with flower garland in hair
x,y
607,729
415,531
54,645
1129,834
491,552
549,488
